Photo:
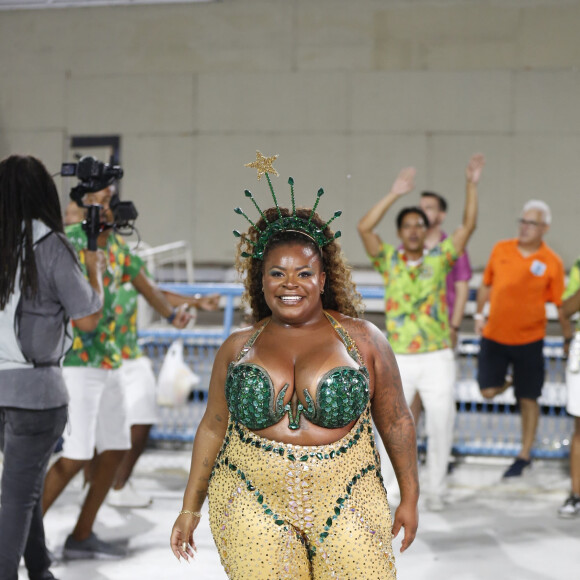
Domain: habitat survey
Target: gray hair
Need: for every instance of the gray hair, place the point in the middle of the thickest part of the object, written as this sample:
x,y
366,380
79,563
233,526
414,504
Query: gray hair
x,y
540,206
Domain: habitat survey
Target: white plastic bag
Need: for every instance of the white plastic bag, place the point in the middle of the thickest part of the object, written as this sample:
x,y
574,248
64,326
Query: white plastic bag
x,y
176,380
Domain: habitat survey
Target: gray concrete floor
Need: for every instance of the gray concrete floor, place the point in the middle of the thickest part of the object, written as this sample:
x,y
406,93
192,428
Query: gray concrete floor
x,y
489,530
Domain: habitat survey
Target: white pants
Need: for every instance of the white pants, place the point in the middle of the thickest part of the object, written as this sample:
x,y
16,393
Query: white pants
x,y
573,391
139,386
97,413
432,375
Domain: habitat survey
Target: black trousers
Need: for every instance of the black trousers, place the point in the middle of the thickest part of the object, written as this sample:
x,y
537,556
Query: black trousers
x,y
27,439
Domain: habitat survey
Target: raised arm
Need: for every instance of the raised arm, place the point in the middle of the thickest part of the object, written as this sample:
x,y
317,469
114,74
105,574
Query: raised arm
x,y
208,441
472,176
404,183
396,427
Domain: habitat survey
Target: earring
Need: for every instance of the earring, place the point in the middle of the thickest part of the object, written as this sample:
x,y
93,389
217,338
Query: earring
x,y
322,291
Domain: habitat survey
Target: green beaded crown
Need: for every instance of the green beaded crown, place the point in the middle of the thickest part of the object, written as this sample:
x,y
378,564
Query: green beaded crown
x,y
290,223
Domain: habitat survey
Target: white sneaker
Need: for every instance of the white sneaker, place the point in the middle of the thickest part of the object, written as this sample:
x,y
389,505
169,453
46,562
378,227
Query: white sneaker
x,y
570,508
127,497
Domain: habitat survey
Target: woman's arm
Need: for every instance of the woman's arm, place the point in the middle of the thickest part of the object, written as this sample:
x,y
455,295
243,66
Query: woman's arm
x,y
208,441
394,422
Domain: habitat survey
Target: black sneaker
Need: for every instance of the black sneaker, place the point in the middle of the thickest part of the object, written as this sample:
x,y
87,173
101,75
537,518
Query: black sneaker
x,y
517,468
570,508
92,548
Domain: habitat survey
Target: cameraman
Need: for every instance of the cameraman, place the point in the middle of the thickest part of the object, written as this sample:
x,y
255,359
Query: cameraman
x,y
98,417
41,288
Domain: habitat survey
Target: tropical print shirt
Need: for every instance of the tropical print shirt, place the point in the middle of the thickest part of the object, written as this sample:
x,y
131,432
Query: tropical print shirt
x,y
99,348
416,308
573,285
126,316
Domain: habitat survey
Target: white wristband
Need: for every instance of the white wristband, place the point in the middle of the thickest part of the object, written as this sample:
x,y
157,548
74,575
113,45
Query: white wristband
x,y
478,316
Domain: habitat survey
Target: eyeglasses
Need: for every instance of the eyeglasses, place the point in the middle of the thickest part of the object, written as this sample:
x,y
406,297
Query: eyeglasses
x,y
530,223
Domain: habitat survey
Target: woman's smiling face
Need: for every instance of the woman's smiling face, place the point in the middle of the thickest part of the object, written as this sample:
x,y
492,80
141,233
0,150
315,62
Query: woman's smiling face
x,y
293,281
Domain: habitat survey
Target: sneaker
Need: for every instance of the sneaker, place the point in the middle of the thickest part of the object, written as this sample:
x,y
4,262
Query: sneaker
x,y
570,508
92,548
127,497
517,467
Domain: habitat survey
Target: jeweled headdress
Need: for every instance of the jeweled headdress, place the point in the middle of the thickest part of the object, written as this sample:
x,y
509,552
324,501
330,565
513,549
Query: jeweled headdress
x,y
293,222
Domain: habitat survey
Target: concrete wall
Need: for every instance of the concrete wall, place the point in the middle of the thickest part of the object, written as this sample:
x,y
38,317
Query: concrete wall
x,y
346,92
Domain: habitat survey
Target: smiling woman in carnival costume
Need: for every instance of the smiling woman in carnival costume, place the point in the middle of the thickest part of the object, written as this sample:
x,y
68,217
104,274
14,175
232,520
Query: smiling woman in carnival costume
x,y
285,450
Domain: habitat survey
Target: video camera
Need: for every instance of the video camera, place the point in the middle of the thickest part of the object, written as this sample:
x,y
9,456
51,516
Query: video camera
x,y
93,176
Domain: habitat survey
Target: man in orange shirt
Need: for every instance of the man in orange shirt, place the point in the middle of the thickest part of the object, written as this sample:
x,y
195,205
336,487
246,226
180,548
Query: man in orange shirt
x,y
522,274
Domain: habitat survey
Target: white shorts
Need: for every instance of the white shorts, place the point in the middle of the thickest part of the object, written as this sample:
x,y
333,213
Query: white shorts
x,y
97,413
139,385
573,391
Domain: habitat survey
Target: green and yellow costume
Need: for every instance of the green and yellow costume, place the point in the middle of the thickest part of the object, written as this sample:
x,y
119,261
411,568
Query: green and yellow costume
x,y
279,510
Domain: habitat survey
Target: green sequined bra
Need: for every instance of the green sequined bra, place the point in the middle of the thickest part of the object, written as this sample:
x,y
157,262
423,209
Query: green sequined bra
x,y
342,393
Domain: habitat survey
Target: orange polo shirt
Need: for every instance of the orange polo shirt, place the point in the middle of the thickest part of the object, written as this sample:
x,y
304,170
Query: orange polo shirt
x,y
520,288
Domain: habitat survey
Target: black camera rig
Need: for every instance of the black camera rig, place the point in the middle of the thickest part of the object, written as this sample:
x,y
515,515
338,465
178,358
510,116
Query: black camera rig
x,y
93,176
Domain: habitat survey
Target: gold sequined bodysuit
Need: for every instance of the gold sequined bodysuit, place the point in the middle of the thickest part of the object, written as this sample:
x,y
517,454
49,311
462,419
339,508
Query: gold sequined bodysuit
x,y
285,511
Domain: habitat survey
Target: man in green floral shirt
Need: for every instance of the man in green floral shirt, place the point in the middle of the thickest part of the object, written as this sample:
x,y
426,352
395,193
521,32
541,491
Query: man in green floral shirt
x,y
97,410
416,312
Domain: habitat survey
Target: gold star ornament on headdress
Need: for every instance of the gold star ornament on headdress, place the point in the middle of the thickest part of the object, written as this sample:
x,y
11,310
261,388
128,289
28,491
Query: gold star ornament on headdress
x,y
263,165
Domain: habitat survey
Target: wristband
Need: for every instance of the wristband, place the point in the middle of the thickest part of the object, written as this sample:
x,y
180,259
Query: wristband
x,y
568,340
478,316
172,316
187,512
455,328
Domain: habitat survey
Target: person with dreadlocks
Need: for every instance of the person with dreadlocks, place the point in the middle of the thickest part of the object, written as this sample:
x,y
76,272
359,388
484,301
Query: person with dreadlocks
x,y
285,450
42,288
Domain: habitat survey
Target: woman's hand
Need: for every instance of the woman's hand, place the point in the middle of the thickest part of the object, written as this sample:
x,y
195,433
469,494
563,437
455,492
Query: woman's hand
x,y
406,516
182,544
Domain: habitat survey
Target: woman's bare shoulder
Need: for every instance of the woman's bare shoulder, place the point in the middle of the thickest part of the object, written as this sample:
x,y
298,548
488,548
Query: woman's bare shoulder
x,y
355,326
236,340
365,334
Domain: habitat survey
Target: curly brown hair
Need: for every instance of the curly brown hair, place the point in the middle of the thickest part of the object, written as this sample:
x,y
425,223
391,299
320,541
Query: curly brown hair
x,y
339,290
